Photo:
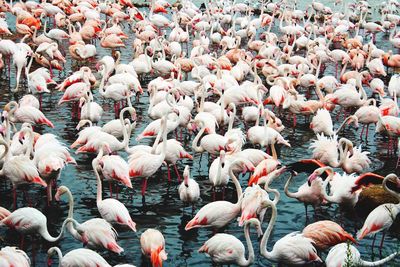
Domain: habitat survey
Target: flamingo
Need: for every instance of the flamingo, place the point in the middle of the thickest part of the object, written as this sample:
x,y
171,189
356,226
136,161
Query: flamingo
x,y
153,246
111,209
28,114
19,169
227,249
308,193
218,213
345,189
12,256
93,138
326,234
358,162
383,216
189,191
78,257
29,220
342,253
147,163
294,248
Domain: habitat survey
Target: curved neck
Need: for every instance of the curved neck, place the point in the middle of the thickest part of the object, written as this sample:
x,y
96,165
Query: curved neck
x,y
239,190
126,131
343,124
195,145
324,185
59,254
45,234
243,261
263,245
343,153
387,189
379,262
5,153
287,192
70,204
70,227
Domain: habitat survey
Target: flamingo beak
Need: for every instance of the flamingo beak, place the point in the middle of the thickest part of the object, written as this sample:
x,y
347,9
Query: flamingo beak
x,y
311,178
57,196
38,180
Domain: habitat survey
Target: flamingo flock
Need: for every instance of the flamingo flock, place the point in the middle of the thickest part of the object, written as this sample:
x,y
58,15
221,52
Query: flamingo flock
x,y
228,81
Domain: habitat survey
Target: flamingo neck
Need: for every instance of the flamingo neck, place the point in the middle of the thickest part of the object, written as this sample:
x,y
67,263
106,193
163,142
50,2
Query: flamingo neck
x,y
387,189
95,165
324,185
243,261
126,134
239,190
45,234
286,188
263,245
195,145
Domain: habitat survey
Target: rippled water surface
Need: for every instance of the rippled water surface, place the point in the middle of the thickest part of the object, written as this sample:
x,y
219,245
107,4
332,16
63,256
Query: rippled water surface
x,y
162,208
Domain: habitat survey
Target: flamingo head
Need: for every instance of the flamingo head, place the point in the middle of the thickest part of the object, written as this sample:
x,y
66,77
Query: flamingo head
x,y
60,191
318,173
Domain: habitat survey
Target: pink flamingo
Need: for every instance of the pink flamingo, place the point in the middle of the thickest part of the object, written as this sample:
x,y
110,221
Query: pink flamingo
x,y
217,214
12,256
78,257
110,209
383,216
95,233
292,249
224,248
326,234
28,114
19,169
153,246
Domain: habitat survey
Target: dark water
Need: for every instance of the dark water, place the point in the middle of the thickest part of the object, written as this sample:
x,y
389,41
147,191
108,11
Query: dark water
x,y
163,209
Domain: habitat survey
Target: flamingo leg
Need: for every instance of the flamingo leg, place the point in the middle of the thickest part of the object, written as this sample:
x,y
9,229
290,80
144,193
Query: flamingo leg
x,y
144,186
33,251
177,173
213,192
21,245
305,206
169,173
373,242
366,135
110,187
49,197
15,197
362,131
383,239
294,120
40,101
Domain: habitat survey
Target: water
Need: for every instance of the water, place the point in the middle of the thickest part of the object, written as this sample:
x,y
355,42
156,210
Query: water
x,y
162,208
